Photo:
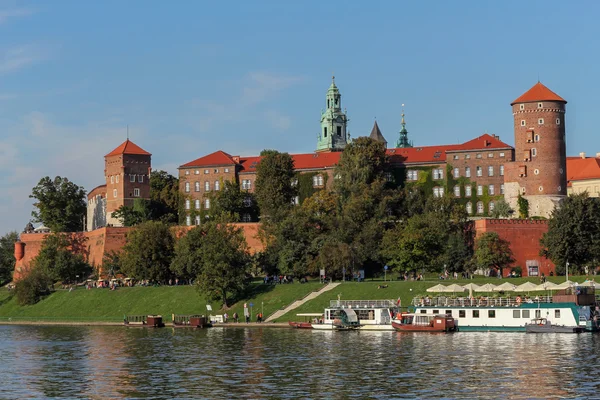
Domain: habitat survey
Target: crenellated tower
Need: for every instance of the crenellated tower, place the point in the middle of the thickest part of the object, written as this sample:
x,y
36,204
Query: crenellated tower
x,y
334,135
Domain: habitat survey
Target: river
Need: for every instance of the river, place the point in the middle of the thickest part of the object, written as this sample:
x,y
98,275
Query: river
x,y
271,363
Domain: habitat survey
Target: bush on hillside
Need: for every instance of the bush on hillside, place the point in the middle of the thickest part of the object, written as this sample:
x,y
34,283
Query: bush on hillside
x,y
32,288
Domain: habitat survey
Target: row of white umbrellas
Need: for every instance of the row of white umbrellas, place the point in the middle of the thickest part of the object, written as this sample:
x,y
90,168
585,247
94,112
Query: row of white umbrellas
x,y
509,287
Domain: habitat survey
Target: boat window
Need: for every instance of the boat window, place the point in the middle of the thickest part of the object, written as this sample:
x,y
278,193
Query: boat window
x,y
461,314
423,311
436,312
526,314
516,313
538,313
475,313
556,313
449,312
491,313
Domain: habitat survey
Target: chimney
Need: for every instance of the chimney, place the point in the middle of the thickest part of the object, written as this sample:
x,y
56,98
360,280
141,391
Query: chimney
x,y
582,154
236,159
597,155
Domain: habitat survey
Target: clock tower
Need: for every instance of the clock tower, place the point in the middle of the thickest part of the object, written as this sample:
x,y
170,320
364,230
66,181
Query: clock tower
x,y
333,135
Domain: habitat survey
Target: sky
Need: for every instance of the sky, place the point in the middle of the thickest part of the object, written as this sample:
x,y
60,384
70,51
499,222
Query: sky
x,y
192,77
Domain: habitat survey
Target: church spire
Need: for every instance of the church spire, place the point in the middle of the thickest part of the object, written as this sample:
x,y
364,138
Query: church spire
x,y
403,140
333,135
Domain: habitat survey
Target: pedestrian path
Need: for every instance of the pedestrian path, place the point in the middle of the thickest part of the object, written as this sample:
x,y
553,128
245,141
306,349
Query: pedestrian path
x,y
298,303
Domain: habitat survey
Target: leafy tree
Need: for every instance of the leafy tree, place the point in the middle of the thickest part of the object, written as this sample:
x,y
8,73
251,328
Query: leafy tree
x,y
62,258
111,262
232,201
61,204
217,254
7,256
457,254
573,233
164,195
33,287
502,210
334,257
523,205
141,211
274,191
493,251
148,252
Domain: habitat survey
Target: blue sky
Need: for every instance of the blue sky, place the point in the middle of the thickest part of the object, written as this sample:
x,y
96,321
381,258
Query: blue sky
x,y
192,77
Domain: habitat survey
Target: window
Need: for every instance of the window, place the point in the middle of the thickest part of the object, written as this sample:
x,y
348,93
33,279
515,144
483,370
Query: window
x,y
529,135
247,201
423,311
114,192
317,180
491,313
197,186
461,313
540,121
490,170
479,190
339,130
533,152
449,312
532,270
456,191
479,171
455,157
536,171
438,191
468,172
246,184
541,188
207,186
216,171
522,170
188,220
140,178
389,177
206,171
491,190
112,179
325,131
132,178
527,155
217,185
187,187
557,121
468,191
294,182
491,206
479,207
412,175
467,157
187,204
502,188
197,204
436,312
501,155
478,155
206,204
186,172
490,155
536,138
197,220
502,170
523,122
475,313
226,170
117,178
469,207
540,105
556,313
538,313
521,106
136,192
456,172
246,217
516,313
525,314
197,172
438,173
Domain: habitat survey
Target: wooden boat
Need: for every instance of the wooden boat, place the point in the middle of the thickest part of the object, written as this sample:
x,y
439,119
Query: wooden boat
x,y
308,318
300,325
425,323
149,321
190,321
542,325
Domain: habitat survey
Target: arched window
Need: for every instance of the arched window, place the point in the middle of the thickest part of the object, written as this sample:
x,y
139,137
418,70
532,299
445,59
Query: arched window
x,y
197,186
457,191
206,204
479,207
469,208
197,204
491,206
217,185
187,204
207,186
187,187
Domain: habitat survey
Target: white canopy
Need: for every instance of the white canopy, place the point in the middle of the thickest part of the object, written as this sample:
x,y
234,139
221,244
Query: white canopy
x,y
565,285
437,288
454,288
505,287
526,287
488,287
471,286
548,286
593,284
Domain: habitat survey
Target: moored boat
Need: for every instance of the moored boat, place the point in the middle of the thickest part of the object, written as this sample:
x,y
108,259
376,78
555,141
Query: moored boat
x,y
425,323
300,325
542,325
358,315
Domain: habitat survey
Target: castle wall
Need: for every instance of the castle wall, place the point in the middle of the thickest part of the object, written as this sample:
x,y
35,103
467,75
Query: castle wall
x,y
524,236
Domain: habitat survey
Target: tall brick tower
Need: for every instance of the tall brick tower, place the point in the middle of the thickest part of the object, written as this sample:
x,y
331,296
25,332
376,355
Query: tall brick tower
x,y
539,170
127,171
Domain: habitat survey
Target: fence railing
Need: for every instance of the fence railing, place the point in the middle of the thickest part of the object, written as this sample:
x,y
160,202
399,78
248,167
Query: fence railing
x,y
484,301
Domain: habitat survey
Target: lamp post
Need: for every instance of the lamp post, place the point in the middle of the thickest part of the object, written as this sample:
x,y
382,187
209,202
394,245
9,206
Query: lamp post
x,y
567,270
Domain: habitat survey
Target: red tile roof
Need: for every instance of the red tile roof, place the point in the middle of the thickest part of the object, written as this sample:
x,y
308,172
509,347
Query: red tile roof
x,y
579,169
128,147
213,159
538,92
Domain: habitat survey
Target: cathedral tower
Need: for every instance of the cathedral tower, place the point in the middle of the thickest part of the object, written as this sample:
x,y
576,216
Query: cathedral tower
x,y
333,135
403,141
539,170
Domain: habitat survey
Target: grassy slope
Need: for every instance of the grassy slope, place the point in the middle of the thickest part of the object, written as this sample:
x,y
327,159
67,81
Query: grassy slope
x,y
106,305
396,289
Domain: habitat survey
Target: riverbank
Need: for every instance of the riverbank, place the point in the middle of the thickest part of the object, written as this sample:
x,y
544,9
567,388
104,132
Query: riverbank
x,y
9,321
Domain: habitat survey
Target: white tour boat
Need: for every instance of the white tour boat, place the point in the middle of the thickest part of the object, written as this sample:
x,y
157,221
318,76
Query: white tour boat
x,y
374,315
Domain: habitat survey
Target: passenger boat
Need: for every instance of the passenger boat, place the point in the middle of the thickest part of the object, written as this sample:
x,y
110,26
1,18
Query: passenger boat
x,y
424,323
542,325
358,314
573,307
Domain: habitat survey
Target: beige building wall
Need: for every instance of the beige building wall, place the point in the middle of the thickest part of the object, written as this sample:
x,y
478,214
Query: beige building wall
x,y
592,186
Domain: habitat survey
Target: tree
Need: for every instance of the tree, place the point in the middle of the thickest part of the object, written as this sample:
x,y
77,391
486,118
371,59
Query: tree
x,y
32,288
573,233
164,196
457,254
7,256
233,202
111,262
274,190
216,253
493,251
523,205
502,210
61,204
141,211
62,258
148,252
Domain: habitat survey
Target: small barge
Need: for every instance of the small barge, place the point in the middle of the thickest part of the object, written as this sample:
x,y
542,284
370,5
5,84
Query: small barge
x,y
148,321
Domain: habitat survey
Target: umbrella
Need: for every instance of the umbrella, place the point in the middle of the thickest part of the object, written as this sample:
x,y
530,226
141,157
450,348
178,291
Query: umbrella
x,y
471,286
592,284
505,287
437,288
565,285
548,286
488,287
526,287
454,288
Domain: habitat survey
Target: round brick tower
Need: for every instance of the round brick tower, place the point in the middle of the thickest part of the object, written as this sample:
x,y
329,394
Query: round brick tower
x,y
540,149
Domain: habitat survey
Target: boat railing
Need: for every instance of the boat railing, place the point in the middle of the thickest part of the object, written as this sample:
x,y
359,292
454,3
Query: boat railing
x,y
480,301
362,303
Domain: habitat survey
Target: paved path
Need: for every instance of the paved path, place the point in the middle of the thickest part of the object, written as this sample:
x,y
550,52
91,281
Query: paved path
x,y
298,303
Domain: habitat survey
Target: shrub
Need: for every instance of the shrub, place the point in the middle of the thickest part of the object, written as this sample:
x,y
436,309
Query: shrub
x,y
32,288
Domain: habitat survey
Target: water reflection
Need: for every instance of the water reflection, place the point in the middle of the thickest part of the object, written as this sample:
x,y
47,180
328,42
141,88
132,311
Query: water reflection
x,y
115,362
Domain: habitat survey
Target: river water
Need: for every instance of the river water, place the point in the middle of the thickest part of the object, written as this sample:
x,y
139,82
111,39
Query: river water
x,y
271,363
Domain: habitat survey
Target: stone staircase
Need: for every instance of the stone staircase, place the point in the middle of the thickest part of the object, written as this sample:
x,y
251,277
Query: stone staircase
x,y
303,300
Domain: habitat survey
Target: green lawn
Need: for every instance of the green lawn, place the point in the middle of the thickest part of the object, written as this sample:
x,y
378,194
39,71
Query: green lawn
x,y
405,290
107,305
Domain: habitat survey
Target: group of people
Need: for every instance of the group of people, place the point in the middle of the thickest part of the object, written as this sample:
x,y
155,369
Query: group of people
x,y
274,279
236,317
